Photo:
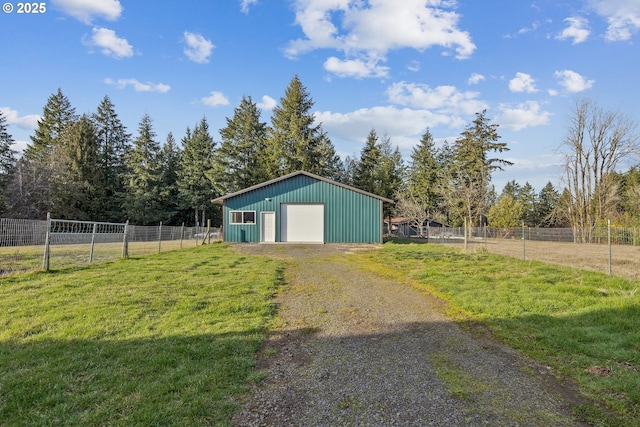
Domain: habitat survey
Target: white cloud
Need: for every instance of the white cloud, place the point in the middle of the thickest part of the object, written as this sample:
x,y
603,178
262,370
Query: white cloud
x,y
86,10
444,99
414,66
475,79
370,30
268,103
522,82
572,81
28,122
522,116
534,27
577,30
198,48
398,124
215,99
138,86
355,68
623,17
245,4
110,44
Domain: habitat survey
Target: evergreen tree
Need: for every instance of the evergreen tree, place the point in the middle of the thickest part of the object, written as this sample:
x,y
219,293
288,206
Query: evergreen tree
x,y
529,199
77,190
294,142
348,170
57,114
474,166
364,176
7,161
511,188
29,191
171,161
142,202
195,180
423,174
113,141
380,169
238,161
389,174
507,212
329,163
546,208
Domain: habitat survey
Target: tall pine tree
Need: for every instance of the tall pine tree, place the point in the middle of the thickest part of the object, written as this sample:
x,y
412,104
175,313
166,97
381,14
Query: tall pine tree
x,y
295,142
474,166
364,175
77,190
239,160
196,179
380,169
57,114
33,184
423,175
171,160
546,208
143,201
7,161
113,141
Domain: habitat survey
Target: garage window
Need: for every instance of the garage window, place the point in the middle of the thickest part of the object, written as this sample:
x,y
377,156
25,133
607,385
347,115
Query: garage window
x,y
243,217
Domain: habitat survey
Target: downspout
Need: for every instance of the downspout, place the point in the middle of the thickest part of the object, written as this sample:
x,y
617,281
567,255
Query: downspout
x,y
382,222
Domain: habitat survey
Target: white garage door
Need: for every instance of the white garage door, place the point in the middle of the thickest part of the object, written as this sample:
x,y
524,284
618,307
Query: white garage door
x,y
302,223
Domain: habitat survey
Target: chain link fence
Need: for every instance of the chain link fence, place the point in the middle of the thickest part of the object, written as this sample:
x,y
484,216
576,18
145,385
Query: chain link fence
x,y
612,250
54,243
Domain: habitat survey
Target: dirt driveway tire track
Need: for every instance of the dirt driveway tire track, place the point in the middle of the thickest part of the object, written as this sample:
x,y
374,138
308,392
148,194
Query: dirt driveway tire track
x,y
353,349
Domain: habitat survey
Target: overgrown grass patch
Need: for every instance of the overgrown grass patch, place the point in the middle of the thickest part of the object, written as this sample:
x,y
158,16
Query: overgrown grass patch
x,y
164,339
585,324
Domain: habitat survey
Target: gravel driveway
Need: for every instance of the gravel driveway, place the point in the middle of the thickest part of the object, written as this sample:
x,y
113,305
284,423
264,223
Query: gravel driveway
x,y
353,349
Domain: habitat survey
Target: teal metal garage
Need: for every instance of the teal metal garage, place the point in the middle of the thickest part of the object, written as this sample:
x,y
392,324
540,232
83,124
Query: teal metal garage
x,y
303,208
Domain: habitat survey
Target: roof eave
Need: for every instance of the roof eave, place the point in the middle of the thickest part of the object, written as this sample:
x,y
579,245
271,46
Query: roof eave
x,y
220,200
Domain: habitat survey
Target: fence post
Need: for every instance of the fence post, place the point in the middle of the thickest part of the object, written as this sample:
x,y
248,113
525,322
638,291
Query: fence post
x,y
181,234
125,241
524,244
609,243
466,240
93,239
160,237
45,256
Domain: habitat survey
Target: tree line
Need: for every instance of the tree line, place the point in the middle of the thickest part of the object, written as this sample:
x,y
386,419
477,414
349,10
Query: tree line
x,y
90,167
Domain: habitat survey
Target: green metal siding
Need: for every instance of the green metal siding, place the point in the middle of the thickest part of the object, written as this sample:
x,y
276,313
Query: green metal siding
x,y
349,216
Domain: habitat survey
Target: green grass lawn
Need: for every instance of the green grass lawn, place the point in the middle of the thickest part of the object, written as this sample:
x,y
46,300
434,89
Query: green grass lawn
x,y
171,338
584,324
166,339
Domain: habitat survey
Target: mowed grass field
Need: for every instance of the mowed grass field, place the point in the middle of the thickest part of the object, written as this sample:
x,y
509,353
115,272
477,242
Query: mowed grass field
x,y
165,339
171,338
585,325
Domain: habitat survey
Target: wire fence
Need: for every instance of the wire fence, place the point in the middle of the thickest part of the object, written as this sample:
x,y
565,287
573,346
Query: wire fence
x,y
55,243
611,250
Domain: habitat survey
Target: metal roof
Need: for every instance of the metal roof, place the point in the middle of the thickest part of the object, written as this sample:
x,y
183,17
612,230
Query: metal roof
x,y
221,199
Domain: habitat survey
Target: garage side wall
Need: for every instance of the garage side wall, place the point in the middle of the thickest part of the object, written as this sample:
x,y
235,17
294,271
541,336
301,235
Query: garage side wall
x,y
349,216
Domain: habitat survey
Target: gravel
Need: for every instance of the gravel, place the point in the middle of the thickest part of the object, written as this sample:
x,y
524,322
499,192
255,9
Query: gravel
x,y
354,349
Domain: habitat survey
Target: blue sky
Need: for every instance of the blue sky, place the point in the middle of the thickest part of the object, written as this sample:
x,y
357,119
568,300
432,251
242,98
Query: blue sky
x,y
398,67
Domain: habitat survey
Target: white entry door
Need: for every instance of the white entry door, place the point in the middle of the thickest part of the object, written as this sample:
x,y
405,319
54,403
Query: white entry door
x,y
268,227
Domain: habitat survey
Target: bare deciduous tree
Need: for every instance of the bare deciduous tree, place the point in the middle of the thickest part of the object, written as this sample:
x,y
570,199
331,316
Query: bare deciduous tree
x,y
410,207
596,143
